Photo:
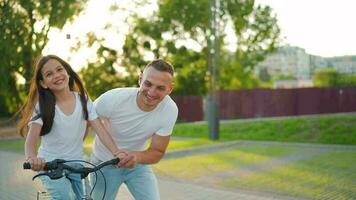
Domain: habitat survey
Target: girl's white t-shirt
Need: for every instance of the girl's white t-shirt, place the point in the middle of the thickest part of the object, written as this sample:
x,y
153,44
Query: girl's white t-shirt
x,y
130,126
65,140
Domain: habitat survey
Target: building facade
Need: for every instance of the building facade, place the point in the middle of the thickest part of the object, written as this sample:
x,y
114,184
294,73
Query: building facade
x,y
296,62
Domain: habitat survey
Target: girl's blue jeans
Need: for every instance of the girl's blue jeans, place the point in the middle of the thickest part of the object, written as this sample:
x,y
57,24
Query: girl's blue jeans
x,y
66,188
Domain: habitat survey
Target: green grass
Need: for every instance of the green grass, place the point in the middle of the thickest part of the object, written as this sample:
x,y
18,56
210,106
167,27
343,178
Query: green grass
x,y
317,178
328,129
17,145
331,173
198,166
183,144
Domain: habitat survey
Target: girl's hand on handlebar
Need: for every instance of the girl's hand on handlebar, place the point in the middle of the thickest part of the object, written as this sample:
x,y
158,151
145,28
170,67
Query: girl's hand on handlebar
x,y
37,164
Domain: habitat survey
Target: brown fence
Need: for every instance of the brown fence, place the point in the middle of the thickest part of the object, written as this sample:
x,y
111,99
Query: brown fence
x,y
190,108
251,103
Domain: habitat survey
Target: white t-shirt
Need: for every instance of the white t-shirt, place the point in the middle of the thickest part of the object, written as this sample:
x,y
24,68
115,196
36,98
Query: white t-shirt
x,y
130,126
65,140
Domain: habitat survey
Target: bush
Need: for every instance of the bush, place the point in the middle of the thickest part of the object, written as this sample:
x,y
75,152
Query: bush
x,y
325,77
346,80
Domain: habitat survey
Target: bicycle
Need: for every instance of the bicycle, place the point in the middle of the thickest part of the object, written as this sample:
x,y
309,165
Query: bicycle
x,y
55,170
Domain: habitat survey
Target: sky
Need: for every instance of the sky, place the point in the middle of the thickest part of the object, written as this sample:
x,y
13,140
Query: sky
x,y
321,27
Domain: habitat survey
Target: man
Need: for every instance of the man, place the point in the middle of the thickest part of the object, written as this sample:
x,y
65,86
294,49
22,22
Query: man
x,y
133,117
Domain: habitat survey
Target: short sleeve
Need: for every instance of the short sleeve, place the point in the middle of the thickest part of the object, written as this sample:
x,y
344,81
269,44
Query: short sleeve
x,y
105,104
91,110
170,120
36,116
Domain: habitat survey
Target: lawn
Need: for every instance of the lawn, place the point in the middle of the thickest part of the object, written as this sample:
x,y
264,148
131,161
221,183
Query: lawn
x,y
283,169
17,145
197,166
327,129
328,175
273,169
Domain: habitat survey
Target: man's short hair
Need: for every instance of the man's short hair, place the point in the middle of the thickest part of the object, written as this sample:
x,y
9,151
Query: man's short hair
x,y
162,66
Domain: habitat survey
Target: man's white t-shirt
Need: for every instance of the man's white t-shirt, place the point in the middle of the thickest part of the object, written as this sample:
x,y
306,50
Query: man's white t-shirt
x,y
130,126
65,140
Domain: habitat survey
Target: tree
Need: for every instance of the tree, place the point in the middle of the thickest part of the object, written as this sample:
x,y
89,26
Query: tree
x,y
330,77
179,32
325,77
282,76
24,32
104,71
346,80
100,76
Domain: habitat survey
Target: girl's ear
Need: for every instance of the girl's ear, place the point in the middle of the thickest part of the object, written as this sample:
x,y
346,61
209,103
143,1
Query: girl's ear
x,y
43,85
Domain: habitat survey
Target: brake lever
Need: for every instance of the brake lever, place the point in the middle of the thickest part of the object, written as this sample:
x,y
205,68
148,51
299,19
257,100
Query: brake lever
x,y
52,174
40,174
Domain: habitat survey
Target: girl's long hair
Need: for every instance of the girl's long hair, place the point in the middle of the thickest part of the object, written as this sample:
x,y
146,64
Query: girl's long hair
x,y
46,98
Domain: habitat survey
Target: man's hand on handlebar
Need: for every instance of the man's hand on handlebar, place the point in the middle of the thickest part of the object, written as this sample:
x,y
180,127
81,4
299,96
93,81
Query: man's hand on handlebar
x,y
127,158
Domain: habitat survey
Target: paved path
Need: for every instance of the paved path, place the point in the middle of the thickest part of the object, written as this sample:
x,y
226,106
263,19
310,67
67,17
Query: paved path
x,y
16,184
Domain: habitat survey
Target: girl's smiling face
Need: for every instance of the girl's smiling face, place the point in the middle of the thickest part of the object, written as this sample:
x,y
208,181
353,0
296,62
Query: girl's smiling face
x,y
54,76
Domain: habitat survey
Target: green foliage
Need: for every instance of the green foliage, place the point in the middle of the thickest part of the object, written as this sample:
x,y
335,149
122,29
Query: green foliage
x,y
3,111
329,129
191,70
344,80
264,75
234,76
325,77
329,77
284,77
101,76
177,25
24,28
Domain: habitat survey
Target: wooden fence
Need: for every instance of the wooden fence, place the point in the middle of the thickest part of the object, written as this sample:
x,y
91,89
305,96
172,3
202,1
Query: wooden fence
x,y
252,103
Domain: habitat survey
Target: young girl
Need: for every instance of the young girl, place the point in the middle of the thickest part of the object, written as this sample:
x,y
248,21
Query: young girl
x,y
57,110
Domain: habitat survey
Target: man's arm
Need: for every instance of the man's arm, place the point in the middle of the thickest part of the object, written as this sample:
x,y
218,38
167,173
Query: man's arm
x,y
152,155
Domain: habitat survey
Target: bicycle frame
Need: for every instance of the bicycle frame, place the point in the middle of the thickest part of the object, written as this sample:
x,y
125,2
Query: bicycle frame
x,y
43,195
55,171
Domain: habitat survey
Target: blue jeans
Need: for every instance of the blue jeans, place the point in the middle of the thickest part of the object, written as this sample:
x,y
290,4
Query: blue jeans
x,y
66,188
140,181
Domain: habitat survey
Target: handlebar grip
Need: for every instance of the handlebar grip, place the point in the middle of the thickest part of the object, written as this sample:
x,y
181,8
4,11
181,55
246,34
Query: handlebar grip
x,y
26,165
115,161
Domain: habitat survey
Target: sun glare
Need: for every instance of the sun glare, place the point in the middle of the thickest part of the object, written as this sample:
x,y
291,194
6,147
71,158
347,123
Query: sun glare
x,y
321,27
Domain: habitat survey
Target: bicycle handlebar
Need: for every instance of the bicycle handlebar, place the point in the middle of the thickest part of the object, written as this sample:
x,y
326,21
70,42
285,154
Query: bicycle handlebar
x,y
48,166
55,168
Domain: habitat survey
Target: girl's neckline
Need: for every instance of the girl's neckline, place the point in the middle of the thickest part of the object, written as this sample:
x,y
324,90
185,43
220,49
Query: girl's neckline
x,y
74,108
